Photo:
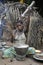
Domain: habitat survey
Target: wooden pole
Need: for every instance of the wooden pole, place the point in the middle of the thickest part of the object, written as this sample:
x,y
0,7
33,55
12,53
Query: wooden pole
x,y
28,8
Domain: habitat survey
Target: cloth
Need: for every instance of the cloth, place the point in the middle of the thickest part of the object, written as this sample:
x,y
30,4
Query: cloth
x,y
9,53
2,23
19,37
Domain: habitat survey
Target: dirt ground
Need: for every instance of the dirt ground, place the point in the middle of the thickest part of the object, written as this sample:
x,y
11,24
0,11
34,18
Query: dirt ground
x,y
27,61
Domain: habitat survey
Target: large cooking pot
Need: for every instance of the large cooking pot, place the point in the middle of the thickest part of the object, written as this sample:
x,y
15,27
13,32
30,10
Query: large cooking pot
x,y
21,51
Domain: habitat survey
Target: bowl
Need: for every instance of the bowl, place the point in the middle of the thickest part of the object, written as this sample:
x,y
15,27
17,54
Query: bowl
x,y
3,43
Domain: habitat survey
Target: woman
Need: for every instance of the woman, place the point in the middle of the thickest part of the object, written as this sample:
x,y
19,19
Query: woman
x,y
18,34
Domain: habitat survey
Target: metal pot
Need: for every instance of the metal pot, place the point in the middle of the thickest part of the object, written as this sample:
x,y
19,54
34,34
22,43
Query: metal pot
x,y
21,51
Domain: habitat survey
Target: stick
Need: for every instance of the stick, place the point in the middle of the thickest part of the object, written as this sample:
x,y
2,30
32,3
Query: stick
x,y
28,8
